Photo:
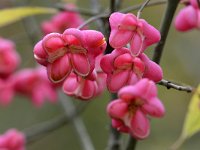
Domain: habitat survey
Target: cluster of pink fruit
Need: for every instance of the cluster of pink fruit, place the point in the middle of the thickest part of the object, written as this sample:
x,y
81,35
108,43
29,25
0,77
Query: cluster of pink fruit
x,y
132,74
76,59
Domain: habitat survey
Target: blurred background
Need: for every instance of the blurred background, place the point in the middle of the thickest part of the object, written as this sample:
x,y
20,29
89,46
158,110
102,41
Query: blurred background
x,y
180,63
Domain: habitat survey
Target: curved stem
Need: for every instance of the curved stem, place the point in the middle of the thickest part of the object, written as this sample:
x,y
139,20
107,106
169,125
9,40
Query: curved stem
x,y
141,8
178,143
169,14
90,20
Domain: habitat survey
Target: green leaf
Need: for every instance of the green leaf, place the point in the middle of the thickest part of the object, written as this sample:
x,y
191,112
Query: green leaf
x,y
192,120
11,15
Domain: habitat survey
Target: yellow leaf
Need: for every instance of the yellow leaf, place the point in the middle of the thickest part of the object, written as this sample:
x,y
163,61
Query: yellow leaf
x,y
192,120
11,15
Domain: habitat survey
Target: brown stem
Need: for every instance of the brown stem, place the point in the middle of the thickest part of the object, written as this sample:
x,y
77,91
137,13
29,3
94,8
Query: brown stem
x,y
169,85
169,14
131,143
114,136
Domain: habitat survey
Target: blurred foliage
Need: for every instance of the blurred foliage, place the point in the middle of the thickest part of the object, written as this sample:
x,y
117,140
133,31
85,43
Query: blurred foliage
x,y
179,63
11,15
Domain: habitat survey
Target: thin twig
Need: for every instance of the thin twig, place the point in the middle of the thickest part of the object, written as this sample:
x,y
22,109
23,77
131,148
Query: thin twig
x,y
131,143
77,123
41,129
35,132
109,48
92,19
141,8
118,4
132,8
114,136
82,11
96,7
87,12
169,85
169,14
136,7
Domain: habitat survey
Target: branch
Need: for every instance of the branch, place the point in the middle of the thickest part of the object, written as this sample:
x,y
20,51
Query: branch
x,y
118,4
169,85
141,8
82,11
131,143
41,129
136,7
90,20
106,15
169,14
33,133
112,6
114,137
109,48
77,123
96,7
